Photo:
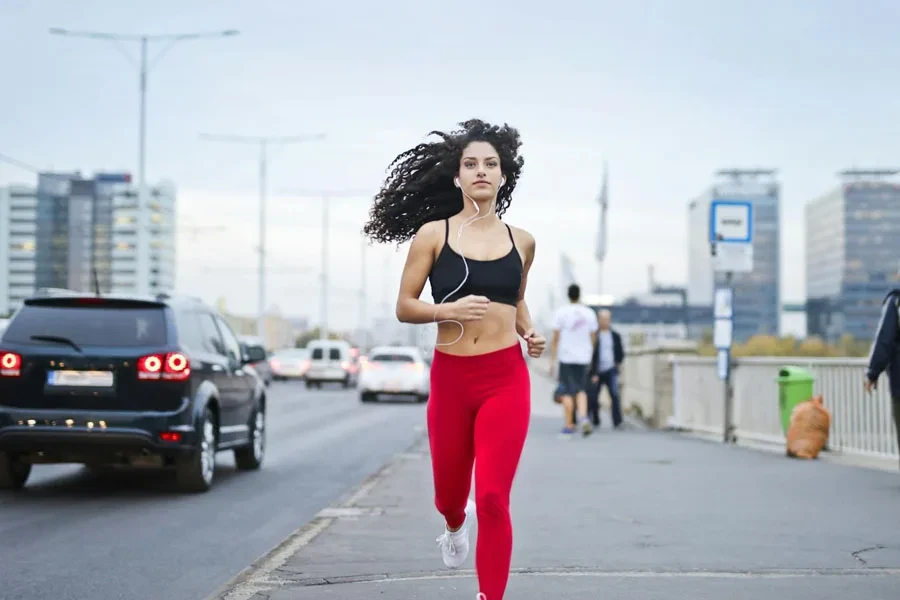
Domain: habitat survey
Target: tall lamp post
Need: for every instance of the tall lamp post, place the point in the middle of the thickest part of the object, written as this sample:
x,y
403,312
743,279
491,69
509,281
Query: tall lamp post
x,y
263,142
144,40
327,196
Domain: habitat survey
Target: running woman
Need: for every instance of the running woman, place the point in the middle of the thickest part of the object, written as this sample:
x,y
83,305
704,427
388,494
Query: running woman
x,y
448,196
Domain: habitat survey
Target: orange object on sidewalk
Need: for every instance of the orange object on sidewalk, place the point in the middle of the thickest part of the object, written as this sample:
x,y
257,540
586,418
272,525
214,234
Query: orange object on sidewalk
x,y
808,432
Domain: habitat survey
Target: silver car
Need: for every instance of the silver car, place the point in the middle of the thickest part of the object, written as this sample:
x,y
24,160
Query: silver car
x,y
394,372
289,363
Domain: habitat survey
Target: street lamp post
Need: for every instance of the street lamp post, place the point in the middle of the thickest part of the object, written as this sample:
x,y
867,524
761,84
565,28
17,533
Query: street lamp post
x,y
144,40
263,142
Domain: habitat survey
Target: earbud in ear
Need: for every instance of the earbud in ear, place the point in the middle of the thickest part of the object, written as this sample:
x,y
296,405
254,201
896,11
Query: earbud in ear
x,y
456,181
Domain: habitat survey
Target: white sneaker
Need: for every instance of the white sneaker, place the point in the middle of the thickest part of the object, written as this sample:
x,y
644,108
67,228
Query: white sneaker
x,y
455,544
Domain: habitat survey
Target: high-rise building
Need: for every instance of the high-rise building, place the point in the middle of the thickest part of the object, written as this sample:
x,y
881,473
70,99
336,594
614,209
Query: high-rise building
x,y
80,234
757,294
18,205
852,254
162,206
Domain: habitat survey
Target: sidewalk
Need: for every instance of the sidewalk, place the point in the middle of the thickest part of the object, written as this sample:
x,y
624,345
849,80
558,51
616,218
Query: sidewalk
x,y
634,514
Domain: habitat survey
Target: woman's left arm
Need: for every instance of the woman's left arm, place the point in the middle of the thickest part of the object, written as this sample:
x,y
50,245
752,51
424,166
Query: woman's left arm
x,y
523,316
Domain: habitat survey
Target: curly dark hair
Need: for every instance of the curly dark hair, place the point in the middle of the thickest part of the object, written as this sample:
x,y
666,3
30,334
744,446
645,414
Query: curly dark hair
x,y
420,188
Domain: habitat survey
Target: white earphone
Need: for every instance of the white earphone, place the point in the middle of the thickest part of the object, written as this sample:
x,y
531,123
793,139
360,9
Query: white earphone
x,y
462,329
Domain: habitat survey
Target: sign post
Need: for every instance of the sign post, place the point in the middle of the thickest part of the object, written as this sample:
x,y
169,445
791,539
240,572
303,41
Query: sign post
x,y
731,246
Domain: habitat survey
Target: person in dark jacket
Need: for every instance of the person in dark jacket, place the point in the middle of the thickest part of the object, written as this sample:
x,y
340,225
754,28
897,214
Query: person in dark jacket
x,y
604,370
885,354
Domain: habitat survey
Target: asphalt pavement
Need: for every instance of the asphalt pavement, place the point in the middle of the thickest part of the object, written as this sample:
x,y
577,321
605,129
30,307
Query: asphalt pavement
x,y
632,514
71,535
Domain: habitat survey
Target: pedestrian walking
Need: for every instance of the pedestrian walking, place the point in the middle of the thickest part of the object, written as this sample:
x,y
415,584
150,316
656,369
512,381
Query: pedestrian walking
x,y
885,354
574,334
449,196
604,371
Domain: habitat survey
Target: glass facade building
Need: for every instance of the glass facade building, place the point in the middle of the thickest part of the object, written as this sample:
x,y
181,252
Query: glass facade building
x,y
852,258
70,215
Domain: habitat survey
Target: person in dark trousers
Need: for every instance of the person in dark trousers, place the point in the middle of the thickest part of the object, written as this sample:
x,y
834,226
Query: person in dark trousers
x,y
885,354
604,370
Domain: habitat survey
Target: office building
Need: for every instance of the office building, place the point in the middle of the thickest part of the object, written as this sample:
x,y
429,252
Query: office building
x,y
87,234
18,209
162,207
757,294
80,233
655,317
852,254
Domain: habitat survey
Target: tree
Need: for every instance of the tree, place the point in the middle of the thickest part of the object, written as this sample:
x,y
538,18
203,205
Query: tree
x,y
770,345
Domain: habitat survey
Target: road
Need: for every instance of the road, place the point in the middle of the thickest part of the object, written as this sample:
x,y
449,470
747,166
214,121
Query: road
x,y
72,535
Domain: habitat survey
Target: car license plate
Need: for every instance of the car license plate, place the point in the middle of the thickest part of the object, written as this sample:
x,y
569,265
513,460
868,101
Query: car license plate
x,y
80,378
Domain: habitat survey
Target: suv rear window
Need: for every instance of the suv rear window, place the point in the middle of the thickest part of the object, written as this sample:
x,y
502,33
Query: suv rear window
x,y
395,358
90,326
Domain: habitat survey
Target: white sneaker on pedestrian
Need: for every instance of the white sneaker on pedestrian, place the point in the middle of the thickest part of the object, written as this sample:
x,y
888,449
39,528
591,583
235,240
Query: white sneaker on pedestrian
x,y
455,544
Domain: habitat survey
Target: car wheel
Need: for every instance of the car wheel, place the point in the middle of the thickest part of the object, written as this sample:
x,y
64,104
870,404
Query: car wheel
x,y
423,398
367,397
14,472
250,457
195,473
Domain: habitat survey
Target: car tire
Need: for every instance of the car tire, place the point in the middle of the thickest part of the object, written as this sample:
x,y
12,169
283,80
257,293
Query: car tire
x,y
250,457
422,398
13,472
195,473
367,397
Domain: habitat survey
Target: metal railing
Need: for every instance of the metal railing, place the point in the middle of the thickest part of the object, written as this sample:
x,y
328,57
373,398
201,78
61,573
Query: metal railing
x,y
861,424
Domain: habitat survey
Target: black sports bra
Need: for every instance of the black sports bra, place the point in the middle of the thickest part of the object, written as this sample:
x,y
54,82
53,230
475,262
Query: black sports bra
x,y
498,280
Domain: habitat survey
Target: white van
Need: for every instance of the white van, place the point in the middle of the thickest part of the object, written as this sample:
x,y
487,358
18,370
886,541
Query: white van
x,y
330,361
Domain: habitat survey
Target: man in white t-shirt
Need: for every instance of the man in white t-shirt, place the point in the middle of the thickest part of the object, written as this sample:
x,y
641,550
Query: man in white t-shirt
x,y
574,336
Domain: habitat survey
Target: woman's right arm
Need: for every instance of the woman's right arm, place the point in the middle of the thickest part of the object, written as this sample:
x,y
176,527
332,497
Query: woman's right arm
x,y
419,261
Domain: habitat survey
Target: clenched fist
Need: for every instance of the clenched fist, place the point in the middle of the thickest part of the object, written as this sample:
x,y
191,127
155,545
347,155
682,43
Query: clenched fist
x,y
470,308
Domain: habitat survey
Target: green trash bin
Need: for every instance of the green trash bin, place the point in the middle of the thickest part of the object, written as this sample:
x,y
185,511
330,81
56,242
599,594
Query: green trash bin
x,y
795,385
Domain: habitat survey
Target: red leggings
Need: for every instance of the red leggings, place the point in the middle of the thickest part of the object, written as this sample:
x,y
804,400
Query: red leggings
x,y
478,413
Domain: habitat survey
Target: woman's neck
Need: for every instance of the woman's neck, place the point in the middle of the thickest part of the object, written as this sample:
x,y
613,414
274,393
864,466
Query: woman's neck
x,y
485,212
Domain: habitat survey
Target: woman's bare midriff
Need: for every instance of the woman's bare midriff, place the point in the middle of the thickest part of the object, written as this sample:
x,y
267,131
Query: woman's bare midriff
x,y
495,331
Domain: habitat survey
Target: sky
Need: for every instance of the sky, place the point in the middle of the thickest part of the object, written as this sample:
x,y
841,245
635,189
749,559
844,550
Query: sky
x,y
665,92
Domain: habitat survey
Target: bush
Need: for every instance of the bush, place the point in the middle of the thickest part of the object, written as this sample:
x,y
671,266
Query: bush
x,y
770,345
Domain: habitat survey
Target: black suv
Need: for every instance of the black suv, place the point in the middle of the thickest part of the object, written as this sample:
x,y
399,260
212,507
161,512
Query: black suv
x,y
104,380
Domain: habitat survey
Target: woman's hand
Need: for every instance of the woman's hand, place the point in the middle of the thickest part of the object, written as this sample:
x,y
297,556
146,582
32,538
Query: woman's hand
x,y
470,308
536,343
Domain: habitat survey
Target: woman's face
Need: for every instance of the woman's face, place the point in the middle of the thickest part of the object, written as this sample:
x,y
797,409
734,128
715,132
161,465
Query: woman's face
x,y
479,171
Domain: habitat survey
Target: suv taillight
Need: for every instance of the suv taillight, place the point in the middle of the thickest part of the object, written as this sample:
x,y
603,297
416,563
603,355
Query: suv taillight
x,y
10,364
173,366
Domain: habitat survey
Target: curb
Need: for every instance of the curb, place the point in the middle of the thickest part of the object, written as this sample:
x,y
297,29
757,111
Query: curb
x,y
260,575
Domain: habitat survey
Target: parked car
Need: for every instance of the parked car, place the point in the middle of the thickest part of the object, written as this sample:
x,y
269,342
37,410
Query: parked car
x,y
136,381
396,372
290,363
255,349
330,361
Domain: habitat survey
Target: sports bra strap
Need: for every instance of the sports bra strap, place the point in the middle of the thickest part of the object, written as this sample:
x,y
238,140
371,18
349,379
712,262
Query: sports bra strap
x,y
510,235
447,232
